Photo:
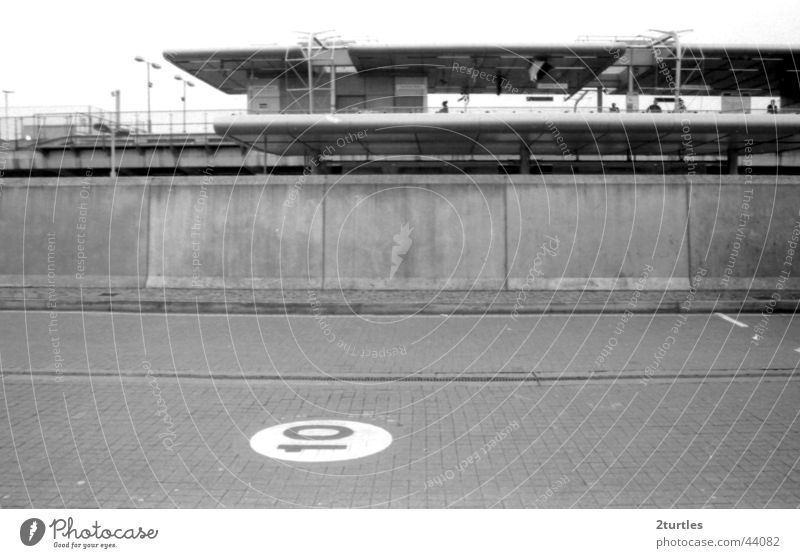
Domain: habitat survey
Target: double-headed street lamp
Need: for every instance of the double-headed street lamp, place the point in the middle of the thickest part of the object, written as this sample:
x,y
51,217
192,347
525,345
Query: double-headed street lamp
x,y
155,66
183,99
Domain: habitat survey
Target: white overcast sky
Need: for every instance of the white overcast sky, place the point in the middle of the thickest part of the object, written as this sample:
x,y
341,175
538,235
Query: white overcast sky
x,y
58,53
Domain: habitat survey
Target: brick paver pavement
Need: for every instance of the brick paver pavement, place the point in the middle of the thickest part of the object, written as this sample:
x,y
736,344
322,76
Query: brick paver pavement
x,y
146,410
83,441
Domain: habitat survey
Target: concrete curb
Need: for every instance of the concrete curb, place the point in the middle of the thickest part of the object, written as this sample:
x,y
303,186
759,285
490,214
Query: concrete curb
x,y
539,377
371,308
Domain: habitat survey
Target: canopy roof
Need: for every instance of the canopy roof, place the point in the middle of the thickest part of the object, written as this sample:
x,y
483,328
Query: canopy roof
x,y
759,69
564,134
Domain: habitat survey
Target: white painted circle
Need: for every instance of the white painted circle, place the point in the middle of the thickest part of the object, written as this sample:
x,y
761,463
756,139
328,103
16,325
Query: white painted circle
x,y
320,440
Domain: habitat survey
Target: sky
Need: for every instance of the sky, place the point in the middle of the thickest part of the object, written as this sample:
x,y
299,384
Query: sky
x,y
57,53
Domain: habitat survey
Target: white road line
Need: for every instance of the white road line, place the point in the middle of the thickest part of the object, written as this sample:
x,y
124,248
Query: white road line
x,y
731,320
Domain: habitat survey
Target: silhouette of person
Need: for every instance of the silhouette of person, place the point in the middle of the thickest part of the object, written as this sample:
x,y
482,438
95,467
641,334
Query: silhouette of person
x,y
772,108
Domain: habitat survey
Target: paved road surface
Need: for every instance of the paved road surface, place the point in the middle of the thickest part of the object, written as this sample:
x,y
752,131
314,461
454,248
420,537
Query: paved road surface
x,y
154,410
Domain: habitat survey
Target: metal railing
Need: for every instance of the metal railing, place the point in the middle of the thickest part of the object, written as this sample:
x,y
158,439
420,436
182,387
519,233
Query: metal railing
x,y
524,109
45,127
42,128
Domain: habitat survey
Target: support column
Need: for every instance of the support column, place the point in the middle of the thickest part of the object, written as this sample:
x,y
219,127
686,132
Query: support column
x,y
599,99
524,159
733,161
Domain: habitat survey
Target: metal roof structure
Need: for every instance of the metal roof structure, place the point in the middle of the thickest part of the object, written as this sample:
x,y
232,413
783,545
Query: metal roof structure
x,y
708,69
660,65
495,134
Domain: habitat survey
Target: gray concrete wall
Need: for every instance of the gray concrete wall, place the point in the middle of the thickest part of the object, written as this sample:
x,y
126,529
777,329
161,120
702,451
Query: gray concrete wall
x,y
481,232
455,233
73,232
236,233
742,229
597,232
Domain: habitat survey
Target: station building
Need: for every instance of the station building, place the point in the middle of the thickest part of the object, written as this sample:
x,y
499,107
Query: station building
x,y
301,97
345,172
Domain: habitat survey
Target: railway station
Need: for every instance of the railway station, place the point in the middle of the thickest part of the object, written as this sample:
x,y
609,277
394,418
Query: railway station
x,y
575,107
343,146
540,275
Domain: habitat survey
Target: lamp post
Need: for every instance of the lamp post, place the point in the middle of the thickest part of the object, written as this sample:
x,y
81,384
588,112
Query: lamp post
x,y
6,93
155,66
114,131
183,99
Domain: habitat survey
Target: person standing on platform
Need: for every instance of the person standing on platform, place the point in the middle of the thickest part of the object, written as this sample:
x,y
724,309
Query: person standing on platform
x,y
772,108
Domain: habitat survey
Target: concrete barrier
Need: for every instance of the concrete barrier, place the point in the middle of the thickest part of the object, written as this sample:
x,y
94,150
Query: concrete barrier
x,y
402,232
415,232
235,233
742,231
596,232
72,232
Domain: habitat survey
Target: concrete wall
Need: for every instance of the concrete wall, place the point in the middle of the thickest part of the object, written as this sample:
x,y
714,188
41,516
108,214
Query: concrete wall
x,y
461,232
741,229
234,233
73,232
596,232
455,237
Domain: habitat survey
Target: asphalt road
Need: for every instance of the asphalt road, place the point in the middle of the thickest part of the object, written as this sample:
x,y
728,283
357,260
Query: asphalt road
x,y
397,346
129,410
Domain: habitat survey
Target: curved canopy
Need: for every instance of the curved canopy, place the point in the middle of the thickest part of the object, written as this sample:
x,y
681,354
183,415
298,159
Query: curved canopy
x,y
565,134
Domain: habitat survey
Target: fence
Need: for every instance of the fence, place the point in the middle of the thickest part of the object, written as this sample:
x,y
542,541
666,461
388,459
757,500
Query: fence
x,y
40,128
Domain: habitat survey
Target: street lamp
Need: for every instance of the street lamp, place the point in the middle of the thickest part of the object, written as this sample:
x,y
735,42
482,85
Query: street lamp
x,y
183,99
114,132
155,66
6,93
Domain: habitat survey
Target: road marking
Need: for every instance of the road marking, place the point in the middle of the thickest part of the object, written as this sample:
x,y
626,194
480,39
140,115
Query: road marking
x,y
731,320
797,350
320,440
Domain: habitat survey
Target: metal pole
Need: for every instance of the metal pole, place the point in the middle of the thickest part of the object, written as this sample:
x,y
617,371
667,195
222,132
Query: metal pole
x,y
310,76
184,106
114,129
149,86
630,72
6,93
678,57
333,80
